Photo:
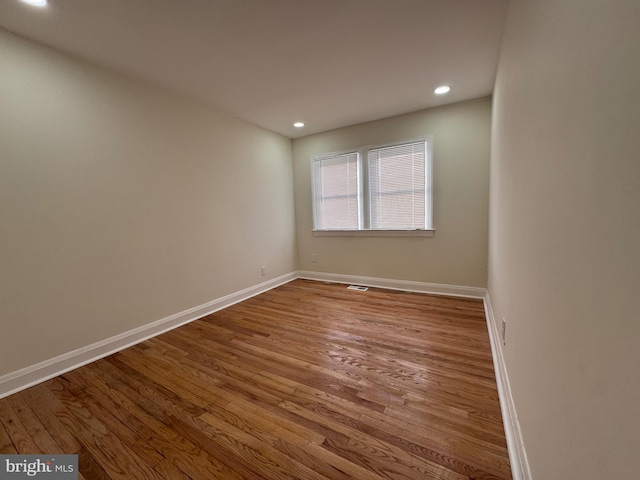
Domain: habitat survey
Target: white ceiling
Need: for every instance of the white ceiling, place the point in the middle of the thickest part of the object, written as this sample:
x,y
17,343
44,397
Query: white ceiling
x,y
328,63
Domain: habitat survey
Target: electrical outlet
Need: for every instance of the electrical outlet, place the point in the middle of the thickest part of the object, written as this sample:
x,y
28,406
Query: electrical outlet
x,y
263,270
314,258
504,331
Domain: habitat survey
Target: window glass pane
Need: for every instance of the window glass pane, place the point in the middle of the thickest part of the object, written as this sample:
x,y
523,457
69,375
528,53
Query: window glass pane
x,y
398,187
336,196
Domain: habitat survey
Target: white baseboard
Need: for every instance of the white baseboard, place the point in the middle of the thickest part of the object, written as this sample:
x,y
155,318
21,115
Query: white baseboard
x,y
405,285
19,380
515,444
24,378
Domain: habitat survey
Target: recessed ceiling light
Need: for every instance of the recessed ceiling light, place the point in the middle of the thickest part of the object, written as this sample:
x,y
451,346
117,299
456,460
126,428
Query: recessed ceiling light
x,y
298,124
442,90
36,3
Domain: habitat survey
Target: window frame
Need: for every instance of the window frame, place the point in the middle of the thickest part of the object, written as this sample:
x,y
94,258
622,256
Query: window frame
x,y
364,191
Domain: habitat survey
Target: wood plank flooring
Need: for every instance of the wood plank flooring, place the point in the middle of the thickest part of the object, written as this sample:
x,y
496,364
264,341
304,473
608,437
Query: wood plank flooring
x,y
309,380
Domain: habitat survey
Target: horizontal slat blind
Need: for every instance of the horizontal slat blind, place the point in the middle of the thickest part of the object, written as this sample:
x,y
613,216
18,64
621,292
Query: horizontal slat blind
x,y
398,187
337,205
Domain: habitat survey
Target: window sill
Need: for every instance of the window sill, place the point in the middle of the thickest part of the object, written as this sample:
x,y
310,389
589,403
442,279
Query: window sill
x,y
373,233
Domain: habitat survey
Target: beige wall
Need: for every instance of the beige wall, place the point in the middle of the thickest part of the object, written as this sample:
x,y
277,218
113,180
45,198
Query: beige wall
x,y
121,204
565,232
457,254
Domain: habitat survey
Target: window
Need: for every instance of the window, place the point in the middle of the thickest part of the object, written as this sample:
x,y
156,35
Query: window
x,y
374,189
337,193
397,187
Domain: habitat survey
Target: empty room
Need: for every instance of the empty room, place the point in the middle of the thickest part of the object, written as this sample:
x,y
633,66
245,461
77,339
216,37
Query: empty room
x,y
319,239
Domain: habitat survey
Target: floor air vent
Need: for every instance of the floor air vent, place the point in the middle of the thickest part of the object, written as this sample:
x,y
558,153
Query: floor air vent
x,y
357,287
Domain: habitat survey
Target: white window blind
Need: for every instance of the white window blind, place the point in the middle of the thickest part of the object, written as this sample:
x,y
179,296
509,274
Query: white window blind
x,y
336,193
374,190
400,187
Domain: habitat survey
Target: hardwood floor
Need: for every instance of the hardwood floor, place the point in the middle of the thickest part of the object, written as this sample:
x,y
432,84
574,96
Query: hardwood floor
x,y
309,380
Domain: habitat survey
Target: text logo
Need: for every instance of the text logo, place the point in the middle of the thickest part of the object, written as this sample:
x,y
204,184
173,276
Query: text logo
x,y
50,467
